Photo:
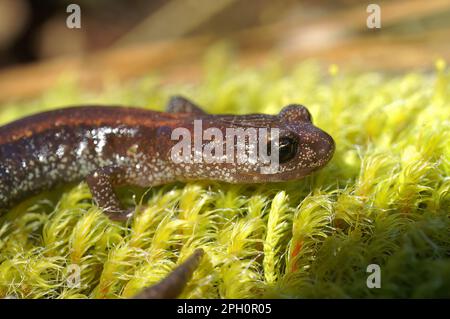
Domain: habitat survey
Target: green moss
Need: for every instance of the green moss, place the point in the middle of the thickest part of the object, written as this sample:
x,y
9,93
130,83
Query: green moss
x,y
384,198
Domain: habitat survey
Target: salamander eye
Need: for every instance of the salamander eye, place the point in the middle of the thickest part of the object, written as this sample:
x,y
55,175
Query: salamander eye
x,y
287,149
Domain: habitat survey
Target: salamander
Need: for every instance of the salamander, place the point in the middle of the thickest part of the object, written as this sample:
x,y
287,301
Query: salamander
x,y
109,146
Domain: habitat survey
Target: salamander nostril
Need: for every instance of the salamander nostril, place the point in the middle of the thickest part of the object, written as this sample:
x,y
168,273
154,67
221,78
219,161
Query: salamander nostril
x,y
325,146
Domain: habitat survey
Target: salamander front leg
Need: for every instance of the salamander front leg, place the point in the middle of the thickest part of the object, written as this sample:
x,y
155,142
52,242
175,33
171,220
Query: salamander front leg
x,y
179,104
173,285
101,183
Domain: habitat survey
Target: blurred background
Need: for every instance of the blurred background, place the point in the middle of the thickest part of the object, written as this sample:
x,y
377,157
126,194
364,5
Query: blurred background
x,y
128,39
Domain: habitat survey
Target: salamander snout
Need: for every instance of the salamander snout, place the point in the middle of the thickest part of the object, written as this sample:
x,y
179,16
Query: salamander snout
x,y
322,146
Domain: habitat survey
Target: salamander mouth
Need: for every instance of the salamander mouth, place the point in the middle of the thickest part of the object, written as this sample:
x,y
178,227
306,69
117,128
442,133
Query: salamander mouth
x,y
277,177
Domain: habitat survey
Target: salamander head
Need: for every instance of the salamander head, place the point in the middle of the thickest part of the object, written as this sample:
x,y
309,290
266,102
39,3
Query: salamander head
x,y
302,148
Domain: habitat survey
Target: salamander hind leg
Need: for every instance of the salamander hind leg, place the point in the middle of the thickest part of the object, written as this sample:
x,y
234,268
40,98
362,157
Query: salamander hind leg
x,y
173,285
179,104
101,184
